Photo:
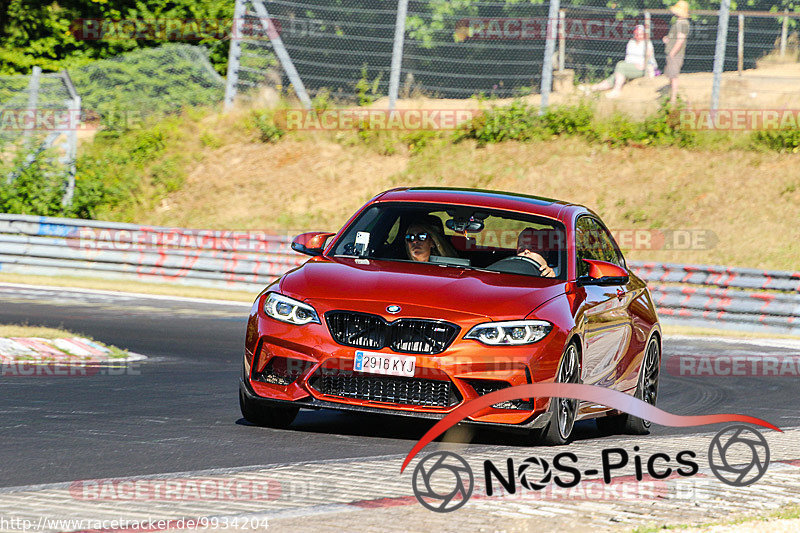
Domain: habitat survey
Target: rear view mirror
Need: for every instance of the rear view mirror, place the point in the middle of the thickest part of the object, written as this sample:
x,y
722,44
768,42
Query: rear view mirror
x,y
603,273
312,243
461,225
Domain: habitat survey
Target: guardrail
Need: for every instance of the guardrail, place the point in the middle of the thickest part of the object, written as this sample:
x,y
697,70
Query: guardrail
x,y
249,260
242,260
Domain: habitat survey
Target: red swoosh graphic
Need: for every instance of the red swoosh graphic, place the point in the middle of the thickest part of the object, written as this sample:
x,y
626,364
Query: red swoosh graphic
x,y
590,393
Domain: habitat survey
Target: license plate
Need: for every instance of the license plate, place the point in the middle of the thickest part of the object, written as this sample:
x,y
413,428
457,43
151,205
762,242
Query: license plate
x,y
381,363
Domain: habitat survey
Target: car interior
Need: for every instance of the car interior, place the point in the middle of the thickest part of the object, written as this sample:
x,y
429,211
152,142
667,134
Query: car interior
x,y
478,238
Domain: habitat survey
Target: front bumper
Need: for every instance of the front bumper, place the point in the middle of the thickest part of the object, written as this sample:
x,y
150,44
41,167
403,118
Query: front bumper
x,y
466,364
309,402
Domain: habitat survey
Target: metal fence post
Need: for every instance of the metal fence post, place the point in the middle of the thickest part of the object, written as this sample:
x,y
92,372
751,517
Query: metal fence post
x,y
234,53
397,52
33,96
72,138
280,51
784,31
740,54
719,53
549,49
562,39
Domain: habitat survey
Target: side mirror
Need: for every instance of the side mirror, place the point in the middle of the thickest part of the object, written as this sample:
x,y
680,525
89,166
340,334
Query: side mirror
x,y
312,243
603,273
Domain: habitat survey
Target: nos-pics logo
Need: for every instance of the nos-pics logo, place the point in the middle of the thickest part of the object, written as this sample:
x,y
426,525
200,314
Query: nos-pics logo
x,y
443,481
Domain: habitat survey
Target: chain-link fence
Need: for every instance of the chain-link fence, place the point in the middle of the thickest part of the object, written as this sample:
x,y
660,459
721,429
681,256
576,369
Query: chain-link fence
x,y
148,81
39,114
486,47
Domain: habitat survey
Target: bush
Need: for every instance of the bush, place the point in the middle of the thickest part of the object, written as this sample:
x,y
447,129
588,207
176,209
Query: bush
x,y
264,122
516,122
521,122
785,140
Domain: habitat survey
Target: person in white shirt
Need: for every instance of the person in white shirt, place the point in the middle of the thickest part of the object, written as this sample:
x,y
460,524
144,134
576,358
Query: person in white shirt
x,y
634,66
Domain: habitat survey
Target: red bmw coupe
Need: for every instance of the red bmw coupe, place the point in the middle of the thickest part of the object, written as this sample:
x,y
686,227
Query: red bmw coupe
x,y
431,297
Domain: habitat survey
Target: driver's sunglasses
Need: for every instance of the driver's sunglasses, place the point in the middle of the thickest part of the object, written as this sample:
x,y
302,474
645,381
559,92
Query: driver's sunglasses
x,y
421,237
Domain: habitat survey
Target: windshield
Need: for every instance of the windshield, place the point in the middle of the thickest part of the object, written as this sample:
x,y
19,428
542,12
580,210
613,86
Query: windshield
x,y
458,236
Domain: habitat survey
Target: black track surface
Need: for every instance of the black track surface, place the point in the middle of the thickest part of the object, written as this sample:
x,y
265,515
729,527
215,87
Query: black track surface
x,y
178,411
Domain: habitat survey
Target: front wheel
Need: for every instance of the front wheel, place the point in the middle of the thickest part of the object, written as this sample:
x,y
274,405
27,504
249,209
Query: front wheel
x,y
272,416
563,411
646,390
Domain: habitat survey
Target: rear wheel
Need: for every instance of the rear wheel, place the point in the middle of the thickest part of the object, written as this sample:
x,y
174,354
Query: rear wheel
x,y
266,416
646,390
563,410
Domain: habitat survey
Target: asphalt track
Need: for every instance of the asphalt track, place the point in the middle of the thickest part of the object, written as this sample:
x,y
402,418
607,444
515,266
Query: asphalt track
x,y
178,411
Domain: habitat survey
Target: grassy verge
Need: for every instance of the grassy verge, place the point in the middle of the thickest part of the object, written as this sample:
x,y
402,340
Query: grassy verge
x,y
131,286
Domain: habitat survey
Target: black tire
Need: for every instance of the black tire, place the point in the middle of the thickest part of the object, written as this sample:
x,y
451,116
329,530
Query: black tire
x,y
272,417
563,411
646,389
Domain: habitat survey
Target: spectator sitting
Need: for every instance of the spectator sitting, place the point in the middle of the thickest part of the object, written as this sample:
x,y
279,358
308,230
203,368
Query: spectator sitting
x,y
631,68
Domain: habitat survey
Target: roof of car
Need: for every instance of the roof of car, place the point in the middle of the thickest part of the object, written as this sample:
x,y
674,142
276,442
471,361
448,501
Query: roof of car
x,y
480,198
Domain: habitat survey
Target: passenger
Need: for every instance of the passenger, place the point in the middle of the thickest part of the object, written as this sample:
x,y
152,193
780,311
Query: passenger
x,y
533,243
423,239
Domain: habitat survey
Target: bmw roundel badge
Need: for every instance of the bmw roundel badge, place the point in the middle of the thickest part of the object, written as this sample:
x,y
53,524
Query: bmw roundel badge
x,y
393,309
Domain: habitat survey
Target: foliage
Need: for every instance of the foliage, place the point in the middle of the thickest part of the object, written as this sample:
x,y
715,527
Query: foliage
x,y
36,189
148,81
49,34
418,140
368,91
269,130
522,122
120,168
784,140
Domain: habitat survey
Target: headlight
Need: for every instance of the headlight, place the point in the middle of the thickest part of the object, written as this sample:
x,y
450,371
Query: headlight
x,y
289,310
512,333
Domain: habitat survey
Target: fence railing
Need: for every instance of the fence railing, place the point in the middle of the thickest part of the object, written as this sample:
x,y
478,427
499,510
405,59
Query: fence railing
x,y
249,260
361,50
40,114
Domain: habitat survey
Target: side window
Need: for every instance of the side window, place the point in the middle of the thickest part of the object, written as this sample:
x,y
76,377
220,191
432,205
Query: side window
x,y
583,245
592,241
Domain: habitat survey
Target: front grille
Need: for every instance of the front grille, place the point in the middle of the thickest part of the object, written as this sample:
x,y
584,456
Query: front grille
x,y
483,387
406,335
387,389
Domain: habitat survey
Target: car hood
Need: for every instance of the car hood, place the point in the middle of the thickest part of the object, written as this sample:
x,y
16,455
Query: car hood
x,y
342,281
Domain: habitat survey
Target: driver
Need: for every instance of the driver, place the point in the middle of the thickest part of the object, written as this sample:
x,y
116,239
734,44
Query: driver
x,y
531,244
423,240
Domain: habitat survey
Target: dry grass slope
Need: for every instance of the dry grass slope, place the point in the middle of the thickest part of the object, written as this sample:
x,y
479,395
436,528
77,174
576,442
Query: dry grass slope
x,y
749,200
